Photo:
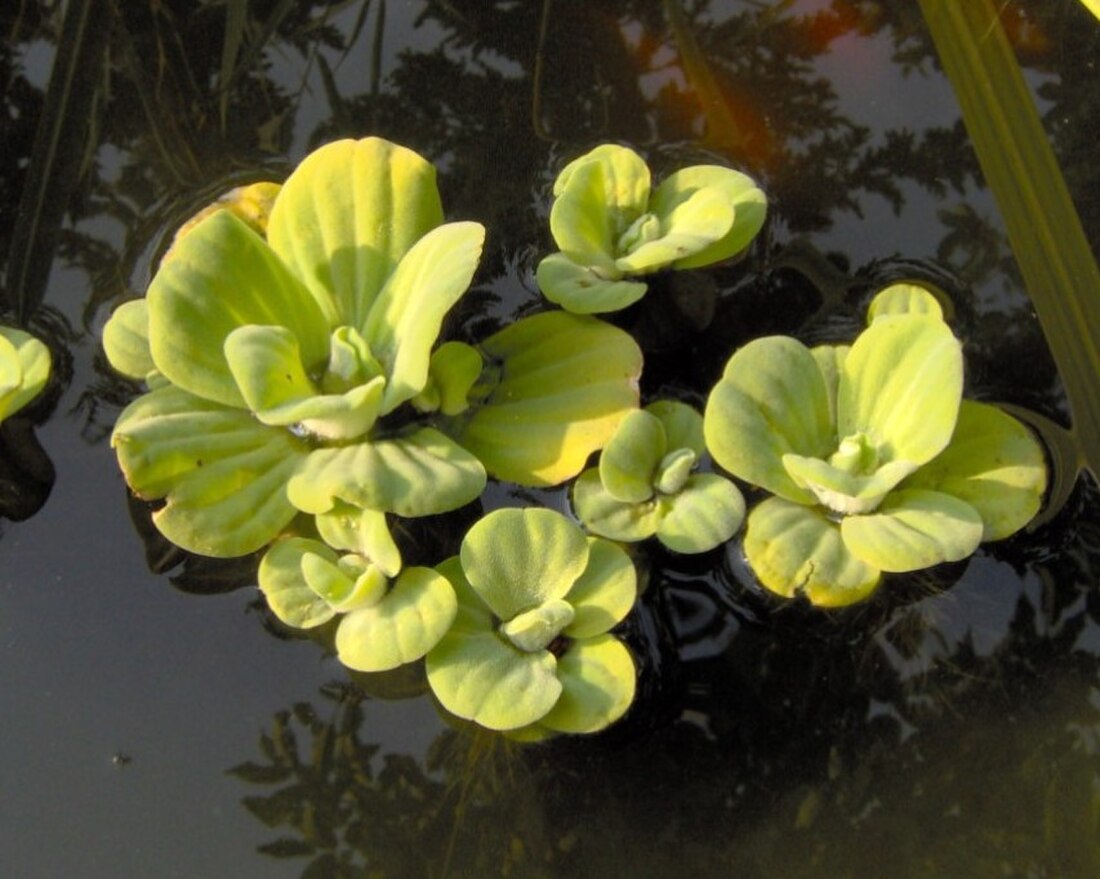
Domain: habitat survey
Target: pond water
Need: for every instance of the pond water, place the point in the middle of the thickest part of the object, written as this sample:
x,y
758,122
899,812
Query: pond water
x,y
158,722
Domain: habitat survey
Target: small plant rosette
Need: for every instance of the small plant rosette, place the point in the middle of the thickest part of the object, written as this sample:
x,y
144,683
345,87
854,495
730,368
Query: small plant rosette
x,y
25,366
646,484
874,460
530,651
612,228
277,365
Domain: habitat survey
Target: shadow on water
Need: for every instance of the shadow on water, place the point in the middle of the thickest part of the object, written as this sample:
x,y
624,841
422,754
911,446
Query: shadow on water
x,y
950,726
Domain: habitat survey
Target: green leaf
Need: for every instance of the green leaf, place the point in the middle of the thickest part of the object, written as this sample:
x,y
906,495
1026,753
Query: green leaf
x,y
362,531
564,383
404,321
682,423
536,629
597,197
793,549
348,584
901,385
674,470
738,190
347,215
478,676
285,588
224,474
629,461
772,400
402,627
914,529
126,340
604,514
453,371
844,492
705,513
519,559
598,683
994,464
689,228
580,290
903,298
416,475
223,276
830,358
24,369
604,594
267,366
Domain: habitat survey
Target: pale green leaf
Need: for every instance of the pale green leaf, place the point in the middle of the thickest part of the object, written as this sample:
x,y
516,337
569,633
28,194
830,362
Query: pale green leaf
x,y
844,492
519,559
914,529
24,369
683,425
453,371
689,228
347,584
347,215
408,622
416,475
224,276
830,358
536,629
748,201
607,516
604,594
478,676
598,680
404,321
793,549
629,461
705,513
285,588
564,382
904,298
126,340
901,385
772,400
994,464
362,531
224,475
674,470
581,290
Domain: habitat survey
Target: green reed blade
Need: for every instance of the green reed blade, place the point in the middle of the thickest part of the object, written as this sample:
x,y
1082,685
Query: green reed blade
x,y
1058,267
60,150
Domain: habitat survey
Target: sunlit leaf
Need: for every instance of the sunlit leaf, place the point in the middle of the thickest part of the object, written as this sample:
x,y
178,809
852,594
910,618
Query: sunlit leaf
x,y
223,277
286,590
420,474
629,461
579,289
347,215
598,682
354,529
793,549
536,629
518,559
683,425
24,369
772,400
903,298
705,513
564,383
126,340
914,529
404,321
901,385
604,514
408,622
689,228
224,474
994,464
605,592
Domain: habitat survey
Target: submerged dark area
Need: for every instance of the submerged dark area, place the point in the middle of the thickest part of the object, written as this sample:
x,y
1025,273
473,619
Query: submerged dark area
x,y
158,722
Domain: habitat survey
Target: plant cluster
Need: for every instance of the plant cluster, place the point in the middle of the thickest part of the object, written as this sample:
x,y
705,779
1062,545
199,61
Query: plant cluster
x,y
301,403
24,369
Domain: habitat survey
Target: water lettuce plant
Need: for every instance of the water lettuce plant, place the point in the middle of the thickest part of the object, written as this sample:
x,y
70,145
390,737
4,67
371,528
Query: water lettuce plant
x,y
24,369
612,228
278,366
645,484
875,461
530,649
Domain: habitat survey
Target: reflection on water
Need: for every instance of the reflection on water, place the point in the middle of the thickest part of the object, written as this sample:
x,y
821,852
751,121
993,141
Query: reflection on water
x,y
948,727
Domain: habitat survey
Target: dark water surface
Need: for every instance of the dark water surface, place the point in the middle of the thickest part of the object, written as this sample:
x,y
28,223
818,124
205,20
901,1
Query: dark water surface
x,y
156,722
